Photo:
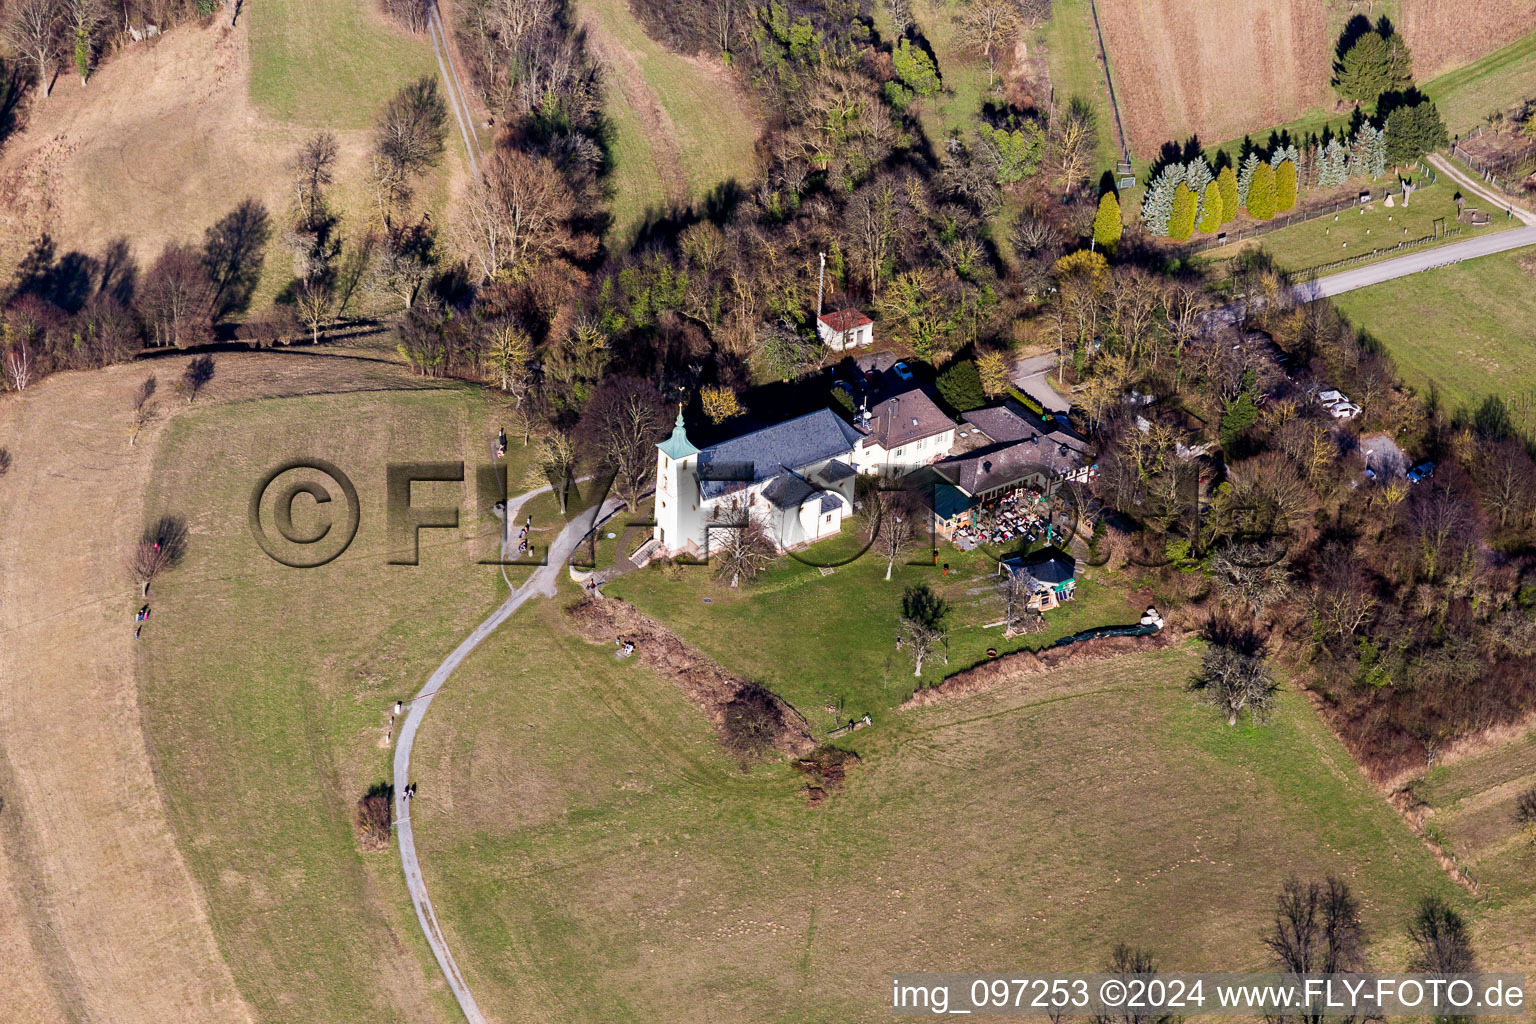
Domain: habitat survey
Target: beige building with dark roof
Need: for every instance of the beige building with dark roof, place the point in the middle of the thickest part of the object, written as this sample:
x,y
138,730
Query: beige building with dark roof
x,y
902,433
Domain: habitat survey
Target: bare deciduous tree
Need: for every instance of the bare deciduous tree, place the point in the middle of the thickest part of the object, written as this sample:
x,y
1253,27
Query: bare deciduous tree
x,y
32,29
196,376
160,548
1317,930
618,431
1254,574
517,215
313,168
554,463
988,26
1233,677
176,303
895,516
143,407
375,815
1130,965
18,364
922,624
413,14
739,545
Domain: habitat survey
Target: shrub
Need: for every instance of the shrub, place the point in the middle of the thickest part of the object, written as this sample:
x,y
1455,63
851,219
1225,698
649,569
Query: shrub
x,y
1261,192
753,720
1106,224
375,814
915,69
960,386
1285,186
719,403
1182,223
1226,182
1210,210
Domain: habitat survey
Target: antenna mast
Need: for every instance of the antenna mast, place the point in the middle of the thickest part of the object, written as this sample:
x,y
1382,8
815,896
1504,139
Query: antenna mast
x,y
820,281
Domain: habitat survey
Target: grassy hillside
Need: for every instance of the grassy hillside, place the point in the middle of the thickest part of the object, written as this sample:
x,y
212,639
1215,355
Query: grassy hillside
x,y
1468,95
1302,247
593,855
1468,329
680,126
266,692
329,63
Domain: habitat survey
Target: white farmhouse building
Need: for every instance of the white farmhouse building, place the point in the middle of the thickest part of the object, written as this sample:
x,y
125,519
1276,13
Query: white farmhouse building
x,y
845,329
796,477
904,432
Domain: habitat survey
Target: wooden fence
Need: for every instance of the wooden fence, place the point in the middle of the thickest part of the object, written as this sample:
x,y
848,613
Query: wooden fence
x,y
1361,257
1427,176
1504,173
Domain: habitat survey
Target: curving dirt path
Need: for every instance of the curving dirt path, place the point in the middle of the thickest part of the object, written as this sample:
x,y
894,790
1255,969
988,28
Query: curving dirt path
x,y
541,583
100,919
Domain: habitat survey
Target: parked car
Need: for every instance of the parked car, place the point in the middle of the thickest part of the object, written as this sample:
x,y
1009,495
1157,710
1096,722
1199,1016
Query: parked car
x,y
1422,471
844,387
872,378
902,370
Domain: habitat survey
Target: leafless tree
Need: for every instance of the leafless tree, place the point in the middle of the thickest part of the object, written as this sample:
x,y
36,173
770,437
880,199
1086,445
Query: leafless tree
x,y
1442,944
313,168
1525,805
517,215
895,517
989,26
1317,930
753,720
618,431
32,29
176,302
409,135
1128,965
18,364
922,624
196,376
1019,618
160,548
554,463
375,814
739,545
1233,677
1441,524
313,300
413,14
901,15
1075,139
1254,574
143,407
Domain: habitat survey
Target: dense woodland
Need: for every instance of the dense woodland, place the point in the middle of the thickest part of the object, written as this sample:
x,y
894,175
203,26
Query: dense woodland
x,y
1407,609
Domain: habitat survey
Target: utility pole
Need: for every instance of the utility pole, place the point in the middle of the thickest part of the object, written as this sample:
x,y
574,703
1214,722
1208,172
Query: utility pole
x,y
820,282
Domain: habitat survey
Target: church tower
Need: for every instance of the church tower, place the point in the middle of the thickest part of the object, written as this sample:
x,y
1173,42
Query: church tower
x,y
678,520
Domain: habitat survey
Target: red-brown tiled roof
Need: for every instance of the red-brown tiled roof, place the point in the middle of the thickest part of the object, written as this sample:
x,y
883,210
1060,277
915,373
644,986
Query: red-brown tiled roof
x,y
845,319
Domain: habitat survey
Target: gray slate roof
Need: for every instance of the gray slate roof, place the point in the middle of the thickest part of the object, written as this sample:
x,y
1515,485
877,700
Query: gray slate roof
x,y
794,444
906,418
1001,464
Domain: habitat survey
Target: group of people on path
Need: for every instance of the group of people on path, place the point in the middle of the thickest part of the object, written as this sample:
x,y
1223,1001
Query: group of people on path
x,y
139,618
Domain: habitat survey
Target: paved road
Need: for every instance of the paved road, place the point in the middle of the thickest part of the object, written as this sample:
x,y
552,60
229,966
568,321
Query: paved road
x,y
542,582
1413,263
1496,200
1032,376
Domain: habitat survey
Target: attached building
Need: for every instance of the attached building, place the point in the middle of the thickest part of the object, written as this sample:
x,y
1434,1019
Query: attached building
x,y
795,477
